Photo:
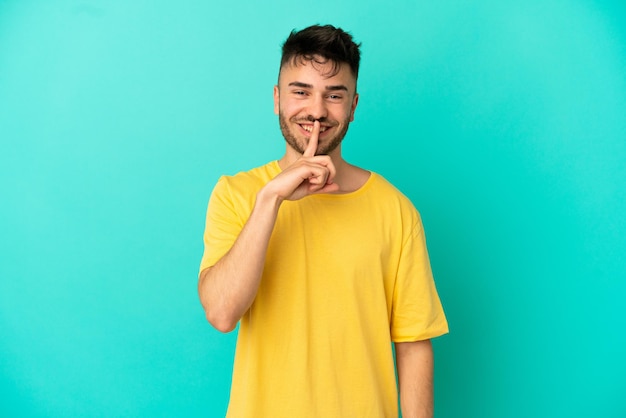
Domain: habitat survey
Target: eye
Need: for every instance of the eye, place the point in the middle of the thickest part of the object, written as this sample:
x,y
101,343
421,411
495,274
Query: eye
x,y
335,97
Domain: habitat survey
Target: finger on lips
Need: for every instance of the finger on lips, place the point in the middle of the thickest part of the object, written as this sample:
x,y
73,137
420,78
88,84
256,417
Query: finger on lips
x,y
311,147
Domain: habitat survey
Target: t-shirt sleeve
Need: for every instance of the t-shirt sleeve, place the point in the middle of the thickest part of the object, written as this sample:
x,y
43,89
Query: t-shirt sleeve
x,y
223,224
417,312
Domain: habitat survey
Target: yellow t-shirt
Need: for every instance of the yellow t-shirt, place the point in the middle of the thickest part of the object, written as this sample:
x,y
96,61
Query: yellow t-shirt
x,y
345,276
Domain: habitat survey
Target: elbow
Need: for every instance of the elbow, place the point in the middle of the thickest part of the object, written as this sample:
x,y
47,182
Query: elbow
x,y
214,314
222,323
216,311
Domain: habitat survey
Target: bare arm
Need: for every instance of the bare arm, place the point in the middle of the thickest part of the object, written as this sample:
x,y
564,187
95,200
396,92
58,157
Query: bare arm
x,y
228,288
415,362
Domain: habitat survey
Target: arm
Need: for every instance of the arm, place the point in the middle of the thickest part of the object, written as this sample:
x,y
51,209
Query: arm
x,y
228,288
414,361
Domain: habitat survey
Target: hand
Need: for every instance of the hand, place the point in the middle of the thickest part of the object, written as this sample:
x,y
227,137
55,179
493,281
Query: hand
x,y
310,174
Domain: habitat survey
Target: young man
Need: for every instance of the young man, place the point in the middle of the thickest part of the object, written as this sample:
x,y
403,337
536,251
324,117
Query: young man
x,y
323,263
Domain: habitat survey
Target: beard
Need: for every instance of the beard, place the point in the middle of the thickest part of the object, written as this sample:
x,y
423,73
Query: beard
x,y
323,148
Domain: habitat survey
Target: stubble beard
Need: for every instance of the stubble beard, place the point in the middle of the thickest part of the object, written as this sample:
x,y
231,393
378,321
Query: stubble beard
x,y
324,148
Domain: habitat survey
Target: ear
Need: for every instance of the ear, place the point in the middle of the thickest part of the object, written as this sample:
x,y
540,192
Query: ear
x,y
355,101
276,100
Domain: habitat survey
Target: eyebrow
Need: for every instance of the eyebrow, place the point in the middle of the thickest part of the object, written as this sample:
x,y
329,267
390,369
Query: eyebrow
x,y
310,86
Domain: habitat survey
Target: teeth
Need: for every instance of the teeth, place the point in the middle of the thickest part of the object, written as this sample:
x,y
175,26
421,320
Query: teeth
x,y
309,128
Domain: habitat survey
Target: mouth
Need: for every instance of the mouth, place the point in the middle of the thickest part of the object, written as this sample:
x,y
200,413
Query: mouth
x,y
309,128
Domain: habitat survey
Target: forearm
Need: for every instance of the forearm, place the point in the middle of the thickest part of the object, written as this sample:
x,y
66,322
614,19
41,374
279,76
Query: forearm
x,y
415,365
229,287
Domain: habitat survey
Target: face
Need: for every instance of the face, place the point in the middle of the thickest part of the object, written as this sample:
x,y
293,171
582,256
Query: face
x,y
308,91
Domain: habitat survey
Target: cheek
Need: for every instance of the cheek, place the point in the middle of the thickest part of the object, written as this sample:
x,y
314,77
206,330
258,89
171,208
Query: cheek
x,y
293,109
347,115
285,106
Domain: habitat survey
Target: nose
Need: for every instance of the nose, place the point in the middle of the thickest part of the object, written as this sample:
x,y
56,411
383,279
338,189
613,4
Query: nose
x,y
317,108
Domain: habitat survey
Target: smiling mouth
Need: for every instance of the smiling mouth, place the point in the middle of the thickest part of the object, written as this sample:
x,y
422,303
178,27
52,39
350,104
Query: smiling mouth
x,y
309,128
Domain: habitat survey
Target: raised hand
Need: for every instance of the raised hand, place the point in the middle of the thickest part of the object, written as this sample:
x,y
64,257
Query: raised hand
x,y
228,289
310,174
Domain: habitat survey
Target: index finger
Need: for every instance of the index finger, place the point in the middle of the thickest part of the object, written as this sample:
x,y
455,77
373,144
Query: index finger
x,y
313,140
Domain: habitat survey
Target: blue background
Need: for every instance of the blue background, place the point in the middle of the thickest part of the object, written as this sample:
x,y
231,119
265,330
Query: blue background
x,y
503,121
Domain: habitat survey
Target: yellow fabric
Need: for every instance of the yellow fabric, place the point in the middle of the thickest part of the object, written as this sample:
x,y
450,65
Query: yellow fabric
x,y
345,275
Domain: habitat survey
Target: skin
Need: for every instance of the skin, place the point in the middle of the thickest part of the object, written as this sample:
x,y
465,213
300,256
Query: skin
x,y
298,104
315,108
415,364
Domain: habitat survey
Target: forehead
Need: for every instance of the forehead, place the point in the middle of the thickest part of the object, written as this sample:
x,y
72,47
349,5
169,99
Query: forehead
x,y
317,72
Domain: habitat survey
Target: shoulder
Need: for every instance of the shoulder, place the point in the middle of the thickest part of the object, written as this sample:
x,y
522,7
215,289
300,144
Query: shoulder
x,y
394,200
248,181
383,186
240,189
237,193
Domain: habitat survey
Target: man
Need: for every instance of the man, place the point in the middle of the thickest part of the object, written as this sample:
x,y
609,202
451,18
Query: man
x,y
323,263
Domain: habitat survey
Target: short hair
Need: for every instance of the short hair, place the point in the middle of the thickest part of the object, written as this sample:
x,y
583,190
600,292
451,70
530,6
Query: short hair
x,y
328,42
